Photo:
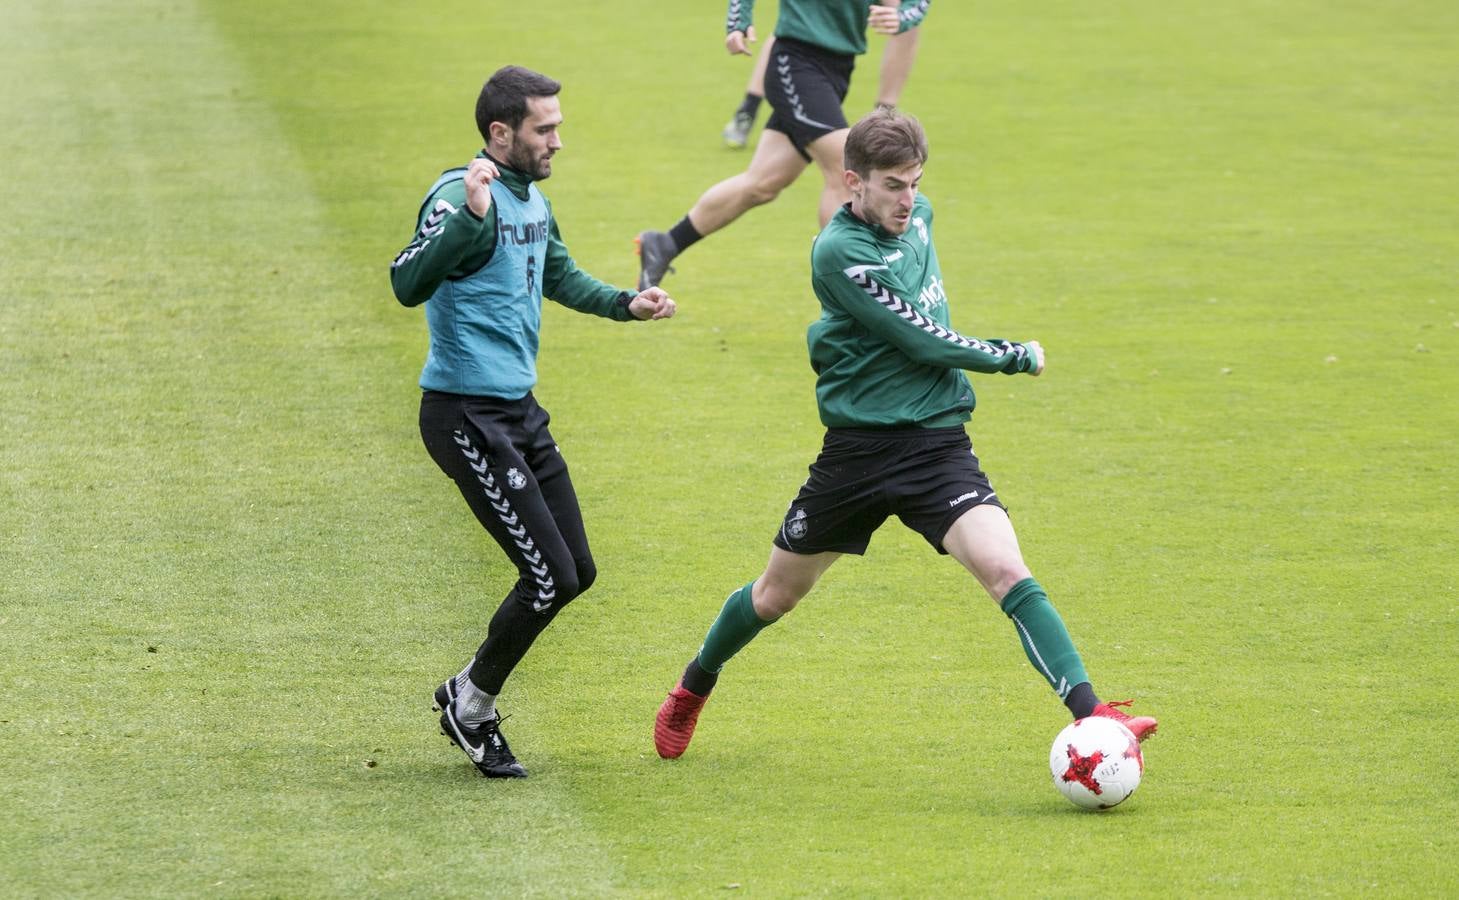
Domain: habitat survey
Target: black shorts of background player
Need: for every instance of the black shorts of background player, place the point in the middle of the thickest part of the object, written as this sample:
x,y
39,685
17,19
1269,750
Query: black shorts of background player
x,y
816,45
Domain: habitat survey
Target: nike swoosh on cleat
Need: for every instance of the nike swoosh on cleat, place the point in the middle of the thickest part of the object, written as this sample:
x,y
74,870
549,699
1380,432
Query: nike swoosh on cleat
x,y
477,753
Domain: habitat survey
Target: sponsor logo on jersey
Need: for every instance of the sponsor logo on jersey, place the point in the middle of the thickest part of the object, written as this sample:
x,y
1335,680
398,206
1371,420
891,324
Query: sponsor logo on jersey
x,y
525,233
933,295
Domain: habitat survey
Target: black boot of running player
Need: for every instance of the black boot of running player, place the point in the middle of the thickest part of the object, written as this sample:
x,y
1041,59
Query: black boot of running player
x,y
655,251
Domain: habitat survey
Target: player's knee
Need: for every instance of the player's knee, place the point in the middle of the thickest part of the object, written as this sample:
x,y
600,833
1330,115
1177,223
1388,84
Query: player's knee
x,y
566,586
587,573
774,599
1002,579
762,191
570,582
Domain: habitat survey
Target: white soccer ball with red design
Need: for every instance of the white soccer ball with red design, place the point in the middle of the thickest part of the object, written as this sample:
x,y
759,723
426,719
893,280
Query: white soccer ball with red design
x,y
1096,762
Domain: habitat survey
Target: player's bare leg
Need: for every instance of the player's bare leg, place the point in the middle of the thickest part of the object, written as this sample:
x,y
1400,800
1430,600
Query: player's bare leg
x,y
828,151
773,168
982,539
896,64
788,577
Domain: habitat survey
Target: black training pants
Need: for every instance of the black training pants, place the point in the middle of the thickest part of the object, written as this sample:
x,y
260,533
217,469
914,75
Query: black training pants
x,y
506,464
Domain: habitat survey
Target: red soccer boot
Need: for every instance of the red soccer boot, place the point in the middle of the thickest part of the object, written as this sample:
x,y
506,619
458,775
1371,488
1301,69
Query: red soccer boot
x,y
674,725
1140,726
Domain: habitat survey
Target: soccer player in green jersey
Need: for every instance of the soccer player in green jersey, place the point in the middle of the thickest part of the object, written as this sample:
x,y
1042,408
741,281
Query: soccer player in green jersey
x,y
893,397
816,45
486,251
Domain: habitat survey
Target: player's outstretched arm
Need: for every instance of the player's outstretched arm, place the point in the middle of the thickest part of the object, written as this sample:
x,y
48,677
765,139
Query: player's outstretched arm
x,y
871,294
563,282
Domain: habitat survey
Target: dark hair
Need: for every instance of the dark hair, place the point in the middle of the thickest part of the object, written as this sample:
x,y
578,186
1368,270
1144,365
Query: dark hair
x,y
885,139
504,97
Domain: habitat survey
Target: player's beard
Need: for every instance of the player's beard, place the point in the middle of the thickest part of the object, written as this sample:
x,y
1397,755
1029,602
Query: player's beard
x,y
887,219
884,218
521,159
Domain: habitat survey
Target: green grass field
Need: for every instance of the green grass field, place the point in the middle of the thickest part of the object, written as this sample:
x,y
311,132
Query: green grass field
x,y
230,576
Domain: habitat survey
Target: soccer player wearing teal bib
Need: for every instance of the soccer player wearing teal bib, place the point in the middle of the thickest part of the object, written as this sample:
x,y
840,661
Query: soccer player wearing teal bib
x,y
486,251
893,397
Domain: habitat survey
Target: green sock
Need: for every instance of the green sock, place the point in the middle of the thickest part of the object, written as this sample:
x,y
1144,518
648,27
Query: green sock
x,y
736,626
1045,639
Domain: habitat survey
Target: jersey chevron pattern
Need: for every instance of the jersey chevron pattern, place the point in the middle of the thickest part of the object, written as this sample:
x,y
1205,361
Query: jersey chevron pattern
x,y
884,351
835,25
860,275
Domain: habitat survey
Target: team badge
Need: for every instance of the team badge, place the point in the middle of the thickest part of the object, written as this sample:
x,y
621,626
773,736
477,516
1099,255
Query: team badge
x,y
515,479
921,228
797,527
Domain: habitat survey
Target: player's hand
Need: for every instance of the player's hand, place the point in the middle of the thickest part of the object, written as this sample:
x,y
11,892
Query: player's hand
x,y
479,176
652,304
738,42
884,19
1037,352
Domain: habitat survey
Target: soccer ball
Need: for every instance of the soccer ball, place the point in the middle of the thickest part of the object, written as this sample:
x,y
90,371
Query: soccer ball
x,y
1096,762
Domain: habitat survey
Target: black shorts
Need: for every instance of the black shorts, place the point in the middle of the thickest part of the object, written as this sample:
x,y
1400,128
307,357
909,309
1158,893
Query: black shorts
x,y
805,86
927,477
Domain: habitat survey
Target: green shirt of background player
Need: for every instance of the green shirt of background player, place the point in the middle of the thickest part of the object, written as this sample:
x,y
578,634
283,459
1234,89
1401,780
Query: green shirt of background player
x,y
816,45
893,399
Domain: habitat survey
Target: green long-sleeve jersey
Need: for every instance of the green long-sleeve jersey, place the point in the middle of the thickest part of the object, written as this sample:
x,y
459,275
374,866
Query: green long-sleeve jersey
x,y
835,25
883,351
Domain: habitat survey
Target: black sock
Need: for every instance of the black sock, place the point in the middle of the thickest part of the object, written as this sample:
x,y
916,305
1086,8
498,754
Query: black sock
x,y
684,235
750,106
697,680
1081,700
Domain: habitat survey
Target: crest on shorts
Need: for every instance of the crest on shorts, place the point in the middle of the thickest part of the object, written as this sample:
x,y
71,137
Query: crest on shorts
x,y
796,527
515,479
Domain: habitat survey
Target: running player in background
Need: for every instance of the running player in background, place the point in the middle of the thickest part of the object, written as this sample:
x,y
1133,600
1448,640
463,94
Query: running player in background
x,y
816,45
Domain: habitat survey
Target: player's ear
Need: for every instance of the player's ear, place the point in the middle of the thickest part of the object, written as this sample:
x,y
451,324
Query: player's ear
x,y
501,132
853,181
